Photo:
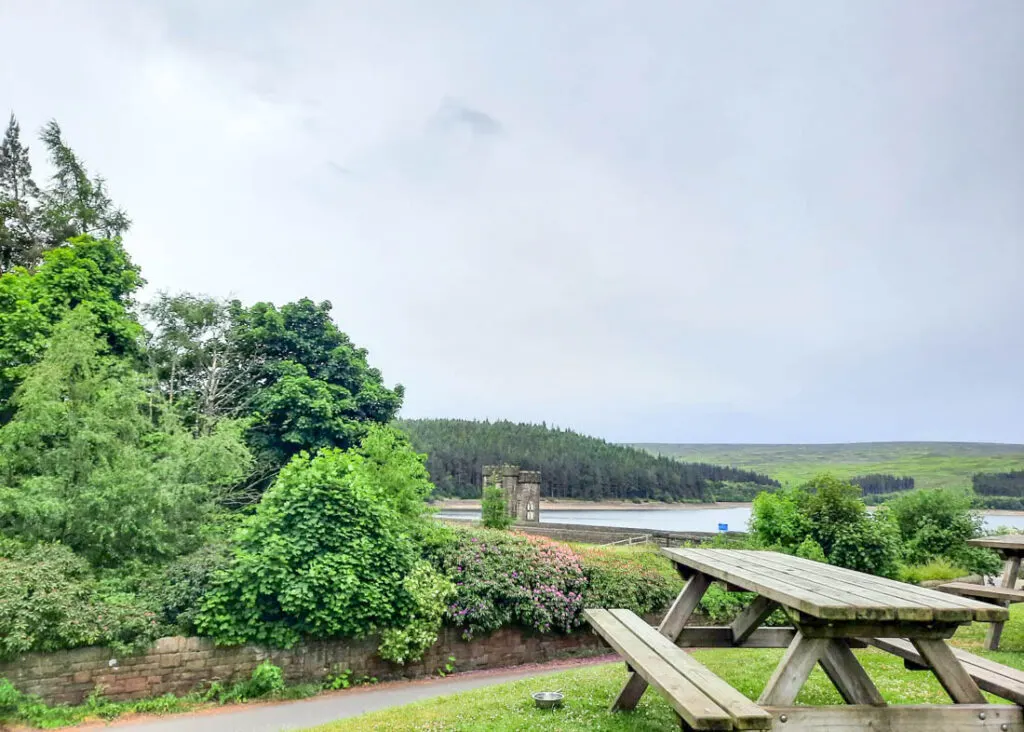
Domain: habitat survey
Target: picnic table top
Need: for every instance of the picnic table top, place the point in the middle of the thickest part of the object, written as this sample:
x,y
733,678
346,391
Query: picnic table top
x,y
832,593
1012,543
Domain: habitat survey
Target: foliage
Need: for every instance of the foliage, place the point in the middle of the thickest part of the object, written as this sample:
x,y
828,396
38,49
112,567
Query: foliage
x,y
181,586
505,579
430,593
571,465
83,463
937,524
49,601
94,272
621,579
494,510
875,483
829,513
327,550
310,386
734,492
936,569
74,204
266,680
1010,483
810,549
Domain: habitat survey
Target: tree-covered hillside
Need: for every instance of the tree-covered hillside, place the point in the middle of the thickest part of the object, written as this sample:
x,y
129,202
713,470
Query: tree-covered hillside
x,y
571,465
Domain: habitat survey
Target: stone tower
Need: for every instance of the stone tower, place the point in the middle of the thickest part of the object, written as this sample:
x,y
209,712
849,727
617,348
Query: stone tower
x,y
521,489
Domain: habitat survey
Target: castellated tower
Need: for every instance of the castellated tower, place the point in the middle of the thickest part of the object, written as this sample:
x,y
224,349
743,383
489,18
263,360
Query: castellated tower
x,y
520,487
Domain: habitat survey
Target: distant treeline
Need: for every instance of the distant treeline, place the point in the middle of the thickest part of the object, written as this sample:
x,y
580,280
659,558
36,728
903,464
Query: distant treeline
x,y
571,465
1000,484
876,483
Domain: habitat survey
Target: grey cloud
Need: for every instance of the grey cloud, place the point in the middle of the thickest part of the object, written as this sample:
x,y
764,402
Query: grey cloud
x,y
657,221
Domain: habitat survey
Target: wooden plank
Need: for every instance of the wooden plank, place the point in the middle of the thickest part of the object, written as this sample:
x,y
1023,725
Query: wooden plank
x,y
751,618
946,607
695,707
900,718
848,676
949,671
721,636
815,628
792,672
995,678
906,607
671,625
1007,542
781,591
971,589
745,714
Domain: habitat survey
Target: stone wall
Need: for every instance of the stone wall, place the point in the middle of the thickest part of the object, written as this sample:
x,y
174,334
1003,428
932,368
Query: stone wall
x,y
179,665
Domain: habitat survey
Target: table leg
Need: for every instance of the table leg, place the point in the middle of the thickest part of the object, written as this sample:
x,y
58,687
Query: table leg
x,y
671,626
949,671
848,676
792,672
995,630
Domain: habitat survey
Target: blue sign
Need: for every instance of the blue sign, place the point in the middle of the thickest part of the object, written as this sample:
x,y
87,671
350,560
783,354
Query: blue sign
x,y
723,527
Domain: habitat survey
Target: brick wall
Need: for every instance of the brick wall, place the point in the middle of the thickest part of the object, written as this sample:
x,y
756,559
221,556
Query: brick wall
x,y
179,665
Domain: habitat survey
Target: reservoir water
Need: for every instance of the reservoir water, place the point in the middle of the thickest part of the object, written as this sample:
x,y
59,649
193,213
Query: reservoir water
x,y
671,519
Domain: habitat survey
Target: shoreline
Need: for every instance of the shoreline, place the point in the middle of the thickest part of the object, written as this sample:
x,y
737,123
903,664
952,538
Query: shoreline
x,y
473,504
568,504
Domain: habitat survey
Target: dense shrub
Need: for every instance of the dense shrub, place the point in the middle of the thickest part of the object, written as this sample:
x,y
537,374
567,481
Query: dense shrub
x,y
179,589
937,524
831,514
430,593
50,601
721,606
511,579
621,578
328,549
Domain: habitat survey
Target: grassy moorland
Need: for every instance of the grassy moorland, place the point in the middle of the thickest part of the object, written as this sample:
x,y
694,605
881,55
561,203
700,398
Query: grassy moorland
x,y
590,690
931,464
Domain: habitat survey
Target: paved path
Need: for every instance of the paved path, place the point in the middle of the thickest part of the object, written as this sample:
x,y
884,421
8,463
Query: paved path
x,y
325,708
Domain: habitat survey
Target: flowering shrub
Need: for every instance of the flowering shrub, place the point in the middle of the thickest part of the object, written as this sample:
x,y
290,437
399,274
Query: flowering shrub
x,y
504,579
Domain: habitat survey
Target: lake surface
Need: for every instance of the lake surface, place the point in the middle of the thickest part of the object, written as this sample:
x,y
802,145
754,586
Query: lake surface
x,y
669,519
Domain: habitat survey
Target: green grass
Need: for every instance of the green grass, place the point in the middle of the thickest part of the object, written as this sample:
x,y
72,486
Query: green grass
x,y
589,691
932,464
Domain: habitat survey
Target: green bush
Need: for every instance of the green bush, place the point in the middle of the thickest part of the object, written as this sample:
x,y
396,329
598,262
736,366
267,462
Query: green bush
x,y
936,569
494,511
721,607
50,601
328,549
830,514
179,589
430,593
620,578
937,524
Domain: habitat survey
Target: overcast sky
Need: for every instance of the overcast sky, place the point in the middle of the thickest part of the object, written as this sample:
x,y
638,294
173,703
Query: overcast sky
x,y
716,221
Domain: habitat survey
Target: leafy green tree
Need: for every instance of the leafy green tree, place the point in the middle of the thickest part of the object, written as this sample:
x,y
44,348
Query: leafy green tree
x,y
310,387
328,550
94,272
76,204
20,236
92,461
494,510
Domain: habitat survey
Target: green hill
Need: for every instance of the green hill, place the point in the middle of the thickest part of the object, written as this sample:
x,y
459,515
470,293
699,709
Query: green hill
x,y
572,465
931,464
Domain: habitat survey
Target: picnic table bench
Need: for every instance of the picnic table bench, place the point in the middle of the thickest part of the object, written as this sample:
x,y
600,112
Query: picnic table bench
x,y
833,610
1011,547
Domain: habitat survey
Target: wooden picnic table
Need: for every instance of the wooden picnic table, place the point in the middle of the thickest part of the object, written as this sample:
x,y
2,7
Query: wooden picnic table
x,y
832,610
1011,548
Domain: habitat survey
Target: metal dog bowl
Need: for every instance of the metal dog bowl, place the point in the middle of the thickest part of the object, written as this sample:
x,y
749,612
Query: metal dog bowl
x,y
548,699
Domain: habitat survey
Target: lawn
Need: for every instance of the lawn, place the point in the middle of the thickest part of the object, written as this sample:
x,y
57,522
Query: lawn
x,y
590,690
931,464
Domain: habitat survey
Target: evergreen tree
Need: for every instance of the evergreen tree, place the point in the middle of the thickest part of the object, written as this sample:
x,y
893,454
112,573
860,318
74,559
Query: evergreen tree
x,y
20,238
76,204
